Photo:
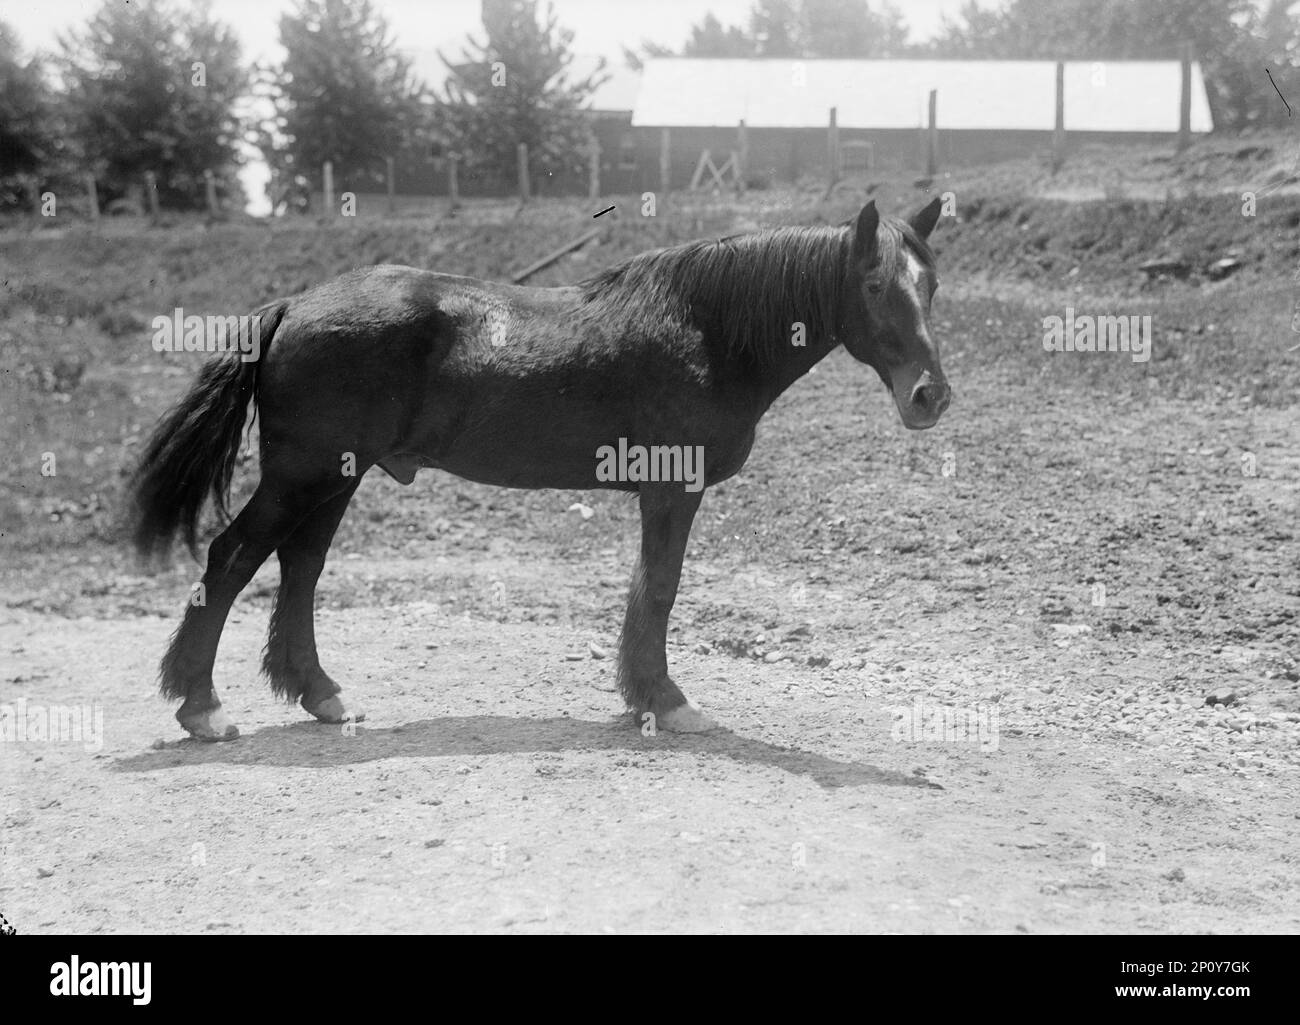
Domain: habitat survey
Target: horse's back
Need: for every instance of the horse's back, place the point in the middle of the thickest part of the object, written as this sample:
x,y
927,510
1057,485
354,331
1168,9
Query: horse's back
x,y
348,355
494,382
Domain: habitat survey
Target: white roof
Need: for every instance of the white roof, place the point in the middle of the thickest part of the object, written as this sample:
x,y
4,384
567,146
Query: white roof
x,y
1110,96
617,93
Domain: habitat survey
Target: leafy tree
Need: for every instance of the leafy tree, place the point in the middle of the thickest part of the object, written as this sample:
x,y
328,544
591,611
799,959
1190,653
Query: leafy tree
x,y
135,100
710,39
774,25
514,87
343,94
1086,29
636,58
1272,41
978,32
849,28
28,143
803,28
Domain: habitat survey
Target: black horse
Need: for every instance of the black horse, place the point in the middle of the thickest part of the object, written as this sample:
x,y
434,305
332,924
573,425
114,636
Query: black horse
x,y
676,352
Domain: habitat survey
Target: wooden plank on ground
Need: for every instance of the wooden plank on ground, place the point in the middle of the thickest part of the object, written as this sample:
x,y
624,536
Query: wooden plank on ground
x,y
551,257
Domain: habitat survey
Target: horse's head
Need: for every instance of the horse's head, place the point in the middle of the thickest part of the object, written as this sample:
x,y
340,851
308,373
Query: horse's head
x,y
894,278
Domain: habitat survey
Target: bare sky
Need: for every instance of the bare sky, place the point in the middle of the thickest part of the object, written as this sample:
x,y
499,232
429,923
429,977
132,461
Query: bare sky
x,y
600,26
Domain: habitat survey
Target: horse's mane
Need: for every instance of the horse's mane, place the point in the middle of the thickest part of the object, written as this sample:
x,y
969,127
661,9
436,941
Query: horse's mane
x,y
745,292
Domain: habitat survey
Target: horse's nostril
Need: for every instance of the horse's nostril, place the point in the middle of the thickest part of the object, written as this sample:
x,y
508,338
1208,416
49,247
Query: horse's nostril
x,y
930,399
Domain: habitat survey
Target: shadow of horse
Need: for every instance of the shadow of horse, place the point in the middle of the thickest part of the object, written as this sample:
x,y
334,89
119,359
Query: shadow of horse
x,y
308,745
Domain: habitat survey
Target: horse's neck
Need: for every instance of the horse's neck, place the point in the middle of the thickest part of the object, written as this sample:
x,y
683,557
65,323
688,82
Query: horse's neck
x,y
810,331
796,361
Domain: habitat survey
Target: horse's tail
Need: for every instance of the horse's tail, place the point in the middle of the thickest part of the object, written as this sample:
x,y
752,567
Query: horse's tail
x,y
192,451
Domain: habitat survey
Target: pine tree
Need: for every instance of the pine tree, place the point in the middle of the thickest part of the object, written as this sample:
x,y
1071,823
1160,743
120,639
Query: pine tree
x,y
514,87
710,39
344,94
151,87
27,143
803,28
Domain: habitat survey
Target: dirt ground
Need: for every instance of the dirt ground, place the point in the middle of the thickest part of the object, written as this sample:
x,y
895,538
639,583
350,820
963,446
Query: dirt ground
x,y
1086,575
853,569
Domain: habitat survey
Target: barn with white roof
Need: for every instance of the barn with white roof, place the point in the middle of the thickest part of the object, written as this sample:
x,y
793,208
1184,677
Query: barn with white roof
x,y
985,111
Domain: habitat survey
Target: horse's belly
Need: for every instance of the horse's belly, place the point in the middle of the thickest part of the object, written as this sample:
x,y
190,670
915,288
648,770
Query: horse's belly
x,y
525,470
583,439
519,454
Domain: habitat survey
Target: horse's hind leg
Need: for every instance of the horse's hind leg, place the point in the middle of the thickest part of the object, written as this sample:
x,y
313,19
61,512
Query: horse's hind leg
x,y
233,557
290,660
667,511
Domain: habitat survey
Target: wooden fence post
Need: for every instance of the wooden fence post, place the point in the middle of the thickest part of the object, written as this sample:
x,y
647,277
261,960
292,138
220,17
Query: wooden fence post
x,y
742,156
1058,134
832,151
151,190
932,137
392,186
593,169
453,183
210,192
665,162
524,191
1185,99
327,173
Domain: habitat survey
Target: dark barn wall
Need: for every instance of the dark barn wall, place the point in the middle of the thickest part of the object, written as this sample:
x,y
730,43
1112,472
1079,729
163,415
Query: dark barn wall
x,y
781,155
968,148
776,155
618,143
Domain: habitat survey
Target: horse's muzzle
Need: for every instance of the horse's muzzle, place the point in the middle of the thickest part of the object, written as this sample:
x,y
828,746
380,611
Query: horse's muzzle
x,y
925,401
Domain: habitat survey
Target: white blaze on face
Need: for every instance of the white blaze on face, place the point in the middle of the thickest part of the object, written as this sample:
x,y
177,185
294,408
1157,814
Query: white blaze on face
x,y
915,270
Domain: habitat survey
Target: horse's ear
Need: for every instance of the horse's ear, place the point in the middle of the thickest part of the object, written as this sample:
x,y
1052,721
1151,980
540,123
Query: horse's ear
x,y
923,221
864,234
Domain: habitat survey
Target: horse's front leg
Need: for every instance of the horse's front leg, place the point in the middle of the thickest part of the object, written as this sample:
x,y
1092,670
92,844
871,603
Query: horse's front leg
x,y
667,511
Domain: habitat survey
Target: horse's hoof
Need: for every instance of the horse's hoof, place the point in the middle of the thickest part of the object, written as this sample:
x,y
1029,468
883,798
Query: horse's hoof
x,y
211,726
686,719
332,710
